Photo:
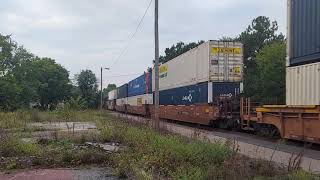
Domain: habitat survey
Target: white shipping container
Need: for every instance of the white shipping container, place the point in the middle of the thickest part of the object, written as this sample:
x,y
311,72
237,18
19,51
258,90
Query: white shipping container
x,y
140,100
215,61
121,102
112,94
303,85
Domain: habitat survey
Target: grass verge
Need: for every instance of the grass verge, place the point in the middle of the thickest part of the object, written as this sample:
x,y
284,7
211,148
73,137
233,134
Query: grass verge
x,y
149,154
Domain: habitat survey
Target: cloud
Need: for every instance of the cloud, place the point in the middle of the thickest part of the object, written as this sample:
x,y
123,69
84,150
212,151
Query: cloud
x,y
84,34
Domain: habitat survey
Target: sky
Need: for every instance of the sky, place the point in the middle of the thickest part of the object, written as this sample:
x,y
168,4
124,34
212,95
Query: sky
x,y
89,34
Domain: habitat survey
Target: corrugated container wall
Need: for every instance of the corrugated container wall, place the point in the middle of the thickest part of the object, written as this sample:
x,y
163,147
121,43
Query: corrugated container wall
x,y
215,61
303,85
187,95
121,101
140,100
140,85
202,93
304,28
112,94
226,89
122,91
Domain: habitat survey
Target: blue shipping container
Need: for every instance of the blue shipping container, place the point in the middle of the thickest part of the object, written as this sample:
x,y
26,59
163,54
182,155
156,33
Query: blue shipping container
x,y
137,86
304,31
122,91
140,85
194,94
199,94
149,82
225,89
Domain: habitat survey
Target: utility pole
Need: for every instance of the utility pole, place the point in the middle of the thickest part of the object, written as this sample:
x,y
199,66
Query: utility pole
x,y
101,94
101,90
156,68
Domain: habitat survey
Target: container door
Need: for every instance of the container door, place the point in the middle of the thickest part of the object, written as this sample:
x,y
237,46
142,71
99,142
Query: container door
x,y
225,61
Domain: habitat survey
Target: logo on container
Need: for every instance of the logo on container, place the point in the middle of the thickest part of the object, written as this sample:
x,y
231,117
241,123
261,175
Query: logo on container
x,y
187,98
226,95
163,71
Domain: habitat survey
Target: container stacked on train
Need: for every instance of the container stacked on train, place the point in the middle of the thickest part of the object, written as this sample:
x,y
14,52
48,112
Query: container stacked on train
x,y
303,62
193,84
112,98
140,95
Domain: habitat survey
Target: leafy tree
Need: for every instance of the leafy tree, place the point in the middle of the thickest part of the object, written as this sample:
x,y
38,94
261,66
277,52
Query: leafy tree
x,y
87,83
260,33
6,54
178,49
271,67
10,93
54,81
43,80
109,88
31,79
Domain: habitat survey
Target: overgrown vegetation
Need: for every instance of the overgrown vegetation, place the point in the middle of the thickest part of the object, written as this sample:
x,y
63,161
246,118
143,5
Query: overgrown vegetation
x,y
149,154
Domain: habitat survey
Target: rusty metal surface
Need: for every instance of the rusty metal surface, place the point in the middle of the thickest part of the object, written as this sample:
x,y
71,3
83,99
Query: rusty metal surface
x,y
298,123
120,108
140,110
199,114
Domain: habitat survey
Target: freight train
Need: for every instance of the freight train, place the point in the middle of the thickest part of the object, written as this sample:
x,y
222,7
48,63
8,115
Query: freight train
x,y
199,86
204,85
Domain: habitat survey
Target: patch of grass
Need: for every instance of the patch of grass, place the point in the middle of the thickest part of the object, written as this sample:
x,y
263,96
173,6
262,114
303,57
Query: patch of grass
x,y
14,146
12,165
301,175
165,155
149,154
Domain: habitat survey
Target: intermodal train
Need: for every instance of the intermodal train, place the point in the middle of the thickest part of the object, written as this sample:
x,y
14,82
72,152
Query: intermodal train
x,y
204,85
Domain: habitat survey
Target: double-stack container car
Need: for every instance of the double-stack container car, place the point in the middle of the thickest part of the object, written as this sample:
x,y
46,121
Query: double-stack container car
x,y
140,94
122,94
299,119
198,84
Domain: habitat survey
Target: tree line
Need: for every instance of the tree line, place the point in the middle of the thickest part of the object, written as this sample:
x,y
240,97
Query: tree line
x,y
27,80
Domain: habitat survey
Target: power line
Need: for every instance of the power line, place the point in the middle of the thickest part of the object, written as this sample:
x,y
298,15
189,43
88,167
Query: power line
x,y
133,35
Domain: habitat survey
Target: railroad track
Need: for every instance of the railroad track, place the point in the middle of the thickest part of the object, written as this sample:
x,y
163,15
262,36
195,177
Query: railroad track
x,y
249,144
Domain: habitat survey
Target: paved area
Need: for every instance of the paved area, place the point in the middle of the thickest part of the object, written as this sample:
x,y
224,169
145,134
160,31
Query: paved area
x,y
61,174
248,145
65,126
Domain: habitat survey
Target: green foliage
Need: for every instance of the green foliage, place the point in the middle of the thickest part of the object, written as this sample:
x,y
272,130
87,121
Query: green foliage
x,y
6,63
10,93
109,88
178,49
87,83
301,175
271,68
44,81
168,155
13,146
75,104
26,79
260,33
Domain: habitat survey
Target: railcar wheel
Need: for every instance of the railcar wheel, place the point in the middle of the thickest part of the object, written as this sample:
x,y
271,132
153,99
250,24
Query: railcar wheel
x,y
267,130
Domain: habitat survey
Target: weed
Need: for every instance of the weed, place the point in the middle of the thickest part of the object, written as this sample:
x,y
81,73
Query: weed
x,y
13,146
301,175
12,165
